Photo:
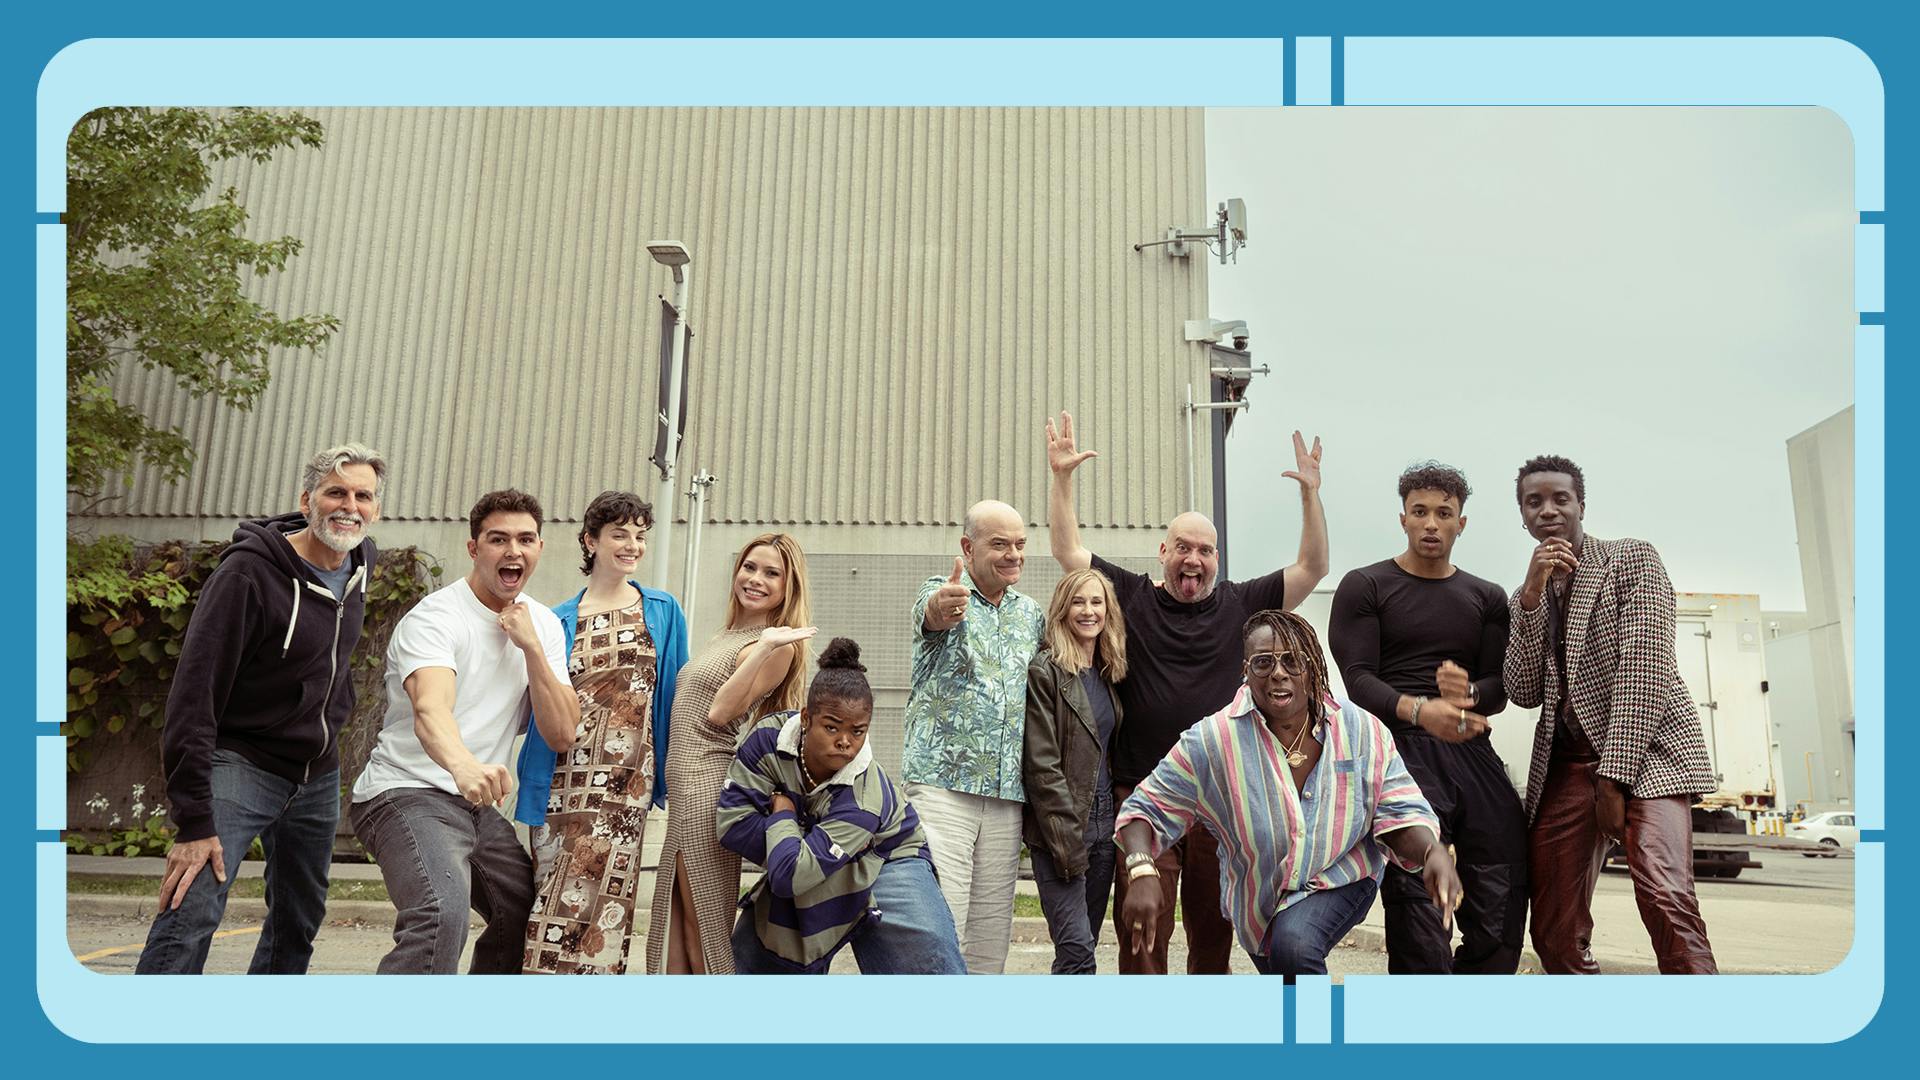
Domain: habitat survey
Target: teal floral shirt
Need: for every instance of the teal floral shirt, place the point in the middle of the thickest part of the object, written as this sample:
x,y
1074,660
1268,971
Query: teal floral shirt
x,y
967,712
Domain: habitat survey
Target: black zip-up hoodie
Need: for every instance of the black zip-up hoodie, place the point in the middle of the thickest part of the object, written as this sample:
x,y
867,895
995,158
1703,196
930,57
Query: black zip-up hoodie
x,y
263,671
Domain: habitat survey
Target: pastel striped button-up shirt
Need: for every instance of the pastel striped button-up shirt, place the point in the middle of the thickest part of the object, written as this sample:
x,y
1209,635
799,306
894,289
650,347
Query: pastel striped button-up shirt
x,y
1228,773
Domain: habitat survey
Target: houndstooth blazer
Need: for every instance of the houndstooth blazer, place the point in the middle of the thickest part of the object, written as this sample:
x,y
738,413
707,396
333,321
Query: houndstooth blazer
x,y
1628,697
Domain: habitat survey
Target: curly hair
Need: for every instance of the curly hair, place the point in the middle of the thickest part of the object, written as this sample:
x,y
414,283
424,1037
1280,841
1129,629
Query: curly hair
x,y
612,508
840,676
1291,633
1545,463
1431,475
504,501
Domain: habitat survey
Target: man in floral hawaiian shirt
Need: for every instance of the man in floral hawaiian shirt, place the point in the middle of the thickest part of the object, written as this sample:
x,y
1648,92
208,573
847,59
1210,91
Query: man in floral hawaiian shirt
x,y
972,638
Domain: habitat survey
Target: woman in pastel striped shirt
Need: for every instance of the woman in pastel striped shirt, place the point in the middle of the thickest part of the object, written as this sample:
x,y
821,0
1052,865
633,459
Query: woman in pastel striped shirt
x,y
1306,796
846,859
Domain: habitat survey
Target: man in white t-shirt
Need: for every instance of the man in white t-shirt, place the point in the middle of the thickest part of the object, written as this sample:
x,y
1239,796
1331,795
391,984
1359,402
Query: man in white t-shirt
x,y
461,667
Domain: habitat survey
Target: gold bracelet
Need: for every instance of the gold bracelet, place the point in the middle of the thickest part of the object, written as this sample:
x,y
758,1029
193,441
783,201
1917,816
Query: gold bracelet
x,y
1146,869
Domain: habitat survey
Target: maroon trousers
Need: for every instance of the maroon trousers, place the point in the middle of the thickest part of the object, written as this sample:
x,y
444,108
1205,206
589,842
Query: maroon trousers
x,y
1189,868
1566,853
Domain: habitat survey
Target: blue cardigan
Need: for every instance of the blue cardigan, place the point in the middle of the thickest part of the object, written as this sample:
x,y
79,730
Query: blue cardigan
x,y
667,625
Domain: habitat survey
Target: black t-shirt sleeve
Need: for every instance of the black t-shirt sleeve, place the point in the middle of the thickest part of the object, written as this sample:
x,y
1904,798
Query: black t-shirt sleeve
x,y
1265,593
1353,631
1126,584
1487,677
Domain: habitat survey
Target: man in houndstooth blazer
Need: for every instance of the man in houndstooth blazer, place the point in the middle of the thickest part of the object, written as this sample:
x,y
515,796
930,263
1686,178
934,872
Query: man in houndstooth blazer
x,y
1618,753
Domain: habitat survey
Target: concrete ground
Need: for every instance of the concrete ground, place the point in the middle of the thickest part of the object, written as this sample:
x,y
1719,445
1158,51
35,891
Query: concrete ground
x,y
1744,919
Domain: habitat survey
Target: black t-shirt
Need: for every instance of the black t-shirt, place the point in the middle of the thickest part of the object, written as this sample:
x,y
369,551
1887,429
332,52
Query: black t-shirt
x,y
1390,630
1183,660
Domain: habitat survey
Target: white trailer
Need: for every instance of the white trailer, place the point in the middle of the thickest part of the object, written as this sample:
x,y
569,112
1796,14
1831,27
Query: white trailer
x,y
1721,651
1722,655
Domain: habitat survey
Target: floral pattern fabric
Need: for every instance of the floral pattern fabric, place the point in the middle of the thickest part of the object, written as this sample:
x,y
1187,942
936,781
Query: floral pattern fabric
x,y
967,711
597,810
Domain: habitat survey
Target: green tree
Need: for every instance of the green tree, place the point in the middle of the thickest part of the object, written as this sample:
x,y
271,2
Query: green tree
x,y
154,274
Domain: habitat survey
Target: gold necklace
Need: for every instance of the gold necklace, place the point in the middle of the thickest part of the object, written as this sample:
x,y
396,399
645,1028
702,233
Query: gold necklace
x,y
1295,756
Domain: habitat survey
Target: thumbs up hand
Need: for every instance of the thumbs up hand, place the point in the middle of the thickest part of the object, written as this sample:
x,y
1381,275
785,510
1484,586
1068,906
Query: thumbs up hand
x,y
948,607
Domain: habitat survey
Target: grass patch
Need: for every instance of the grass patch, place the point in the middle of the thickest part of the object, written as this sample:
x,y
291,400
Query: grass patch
x,y
119,885
1025,906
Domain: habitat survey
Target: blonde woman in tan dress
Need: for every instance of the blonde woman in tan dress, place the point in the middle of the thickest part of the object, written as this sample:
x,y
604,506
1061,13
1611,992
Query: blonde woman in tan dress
x,y
755,666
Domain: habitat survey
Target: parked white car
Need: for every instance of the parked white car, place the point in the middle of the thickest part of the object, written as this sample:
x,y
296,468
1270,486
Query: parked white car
x,y
1834,829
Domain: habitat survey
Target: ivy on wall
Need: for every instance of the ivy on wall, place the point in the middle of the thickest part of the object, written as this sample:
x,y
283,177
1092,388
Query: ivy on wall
x,y
127,612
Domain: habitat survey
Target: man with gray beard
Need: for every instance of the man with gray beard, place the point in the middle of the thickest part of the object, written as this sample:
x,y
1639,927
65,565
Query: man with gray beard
x,y
254,716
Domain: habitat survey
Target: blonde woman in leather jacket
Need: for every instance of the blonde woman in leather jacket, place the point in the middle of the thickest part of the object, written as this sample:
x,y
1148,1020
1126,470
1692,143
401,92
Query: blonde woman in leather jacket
x,y
1072,714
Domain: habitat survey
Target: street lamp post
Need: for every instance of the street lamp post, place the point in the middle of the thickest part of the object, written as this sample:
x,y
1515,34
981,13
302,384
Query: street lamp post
x,y
673,255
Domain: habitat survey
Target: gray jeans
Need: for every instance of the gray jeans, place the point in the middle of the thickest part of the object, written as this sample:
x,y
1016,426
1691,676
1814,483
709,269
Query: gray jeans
x,y
440,855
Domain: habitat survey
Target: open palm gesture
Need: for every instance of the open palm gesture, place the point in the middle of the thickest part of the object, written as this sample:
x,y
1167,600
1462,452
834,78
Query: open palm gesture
x,y
1306,467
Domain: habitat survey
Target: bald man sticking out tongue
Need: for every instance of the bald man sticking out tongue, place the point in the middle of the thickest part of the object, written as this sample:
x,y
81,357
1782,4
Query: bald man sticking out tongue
x,y
1183,663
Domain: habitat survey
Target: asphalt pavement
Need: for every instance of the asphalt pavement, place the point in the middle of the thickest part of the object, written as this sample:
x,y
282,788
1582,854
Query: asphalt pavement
x,y
1792,915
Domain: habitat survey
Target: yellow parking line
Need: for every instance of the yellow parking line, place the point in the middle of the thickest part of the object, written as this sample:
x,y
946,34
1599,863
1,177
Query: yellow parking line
x,y
98,953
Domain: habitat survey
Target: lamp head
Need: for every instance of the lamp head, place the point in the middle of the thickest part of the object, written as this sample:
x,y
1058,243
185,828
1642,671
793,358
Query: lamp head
x,y
670,253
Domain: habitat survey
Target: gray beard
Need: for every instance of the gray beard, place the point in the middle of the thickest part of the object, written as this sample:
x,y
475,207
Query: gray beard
x,y
343,544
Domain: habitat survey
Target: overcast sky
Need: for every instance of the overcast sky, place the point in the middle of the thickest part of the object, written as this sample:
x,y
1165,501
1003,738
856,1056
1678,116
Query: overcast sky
x,y
1663,295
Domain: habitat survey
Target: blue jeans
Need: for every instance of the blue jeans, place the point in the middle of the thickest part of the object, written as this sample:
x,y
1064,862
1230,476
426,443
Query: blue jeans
x,y
908,931
1076,906
439,855
1300,937
295,823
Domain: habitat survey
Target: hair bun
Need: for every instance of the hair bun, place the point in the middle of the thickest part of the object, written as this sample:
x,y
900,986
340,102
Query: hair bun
x,y
840,653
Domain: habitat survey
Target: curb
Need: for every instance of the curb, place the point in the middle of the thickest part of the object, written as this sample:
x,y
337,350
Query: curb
x,y
245,907
1026,928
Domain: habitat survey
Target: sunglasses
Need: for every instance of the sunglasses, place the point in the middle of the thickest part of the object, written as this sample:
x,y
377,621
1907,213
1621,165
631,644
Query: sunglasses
x,y
1262,664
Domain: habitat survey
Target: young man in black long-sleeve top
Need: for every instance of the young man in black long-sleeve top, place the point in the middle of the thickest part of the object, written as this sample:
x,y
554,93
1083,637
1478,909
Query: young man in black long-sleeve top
x,y
1420,645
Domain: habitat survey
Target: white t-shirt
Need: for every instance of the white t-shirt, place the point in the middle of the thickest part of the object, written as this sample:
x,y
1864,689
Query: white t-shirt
x,y
451,628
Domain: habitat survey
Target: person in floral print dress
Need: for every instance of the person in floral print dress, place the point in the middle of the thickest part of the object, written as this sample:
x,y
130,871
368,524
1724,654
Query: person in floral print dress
x,y
587,808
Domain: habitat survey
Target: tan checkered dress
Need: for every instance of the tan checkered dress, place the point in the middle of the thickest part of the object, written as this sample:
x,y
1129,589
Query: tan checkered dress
x,y
698,754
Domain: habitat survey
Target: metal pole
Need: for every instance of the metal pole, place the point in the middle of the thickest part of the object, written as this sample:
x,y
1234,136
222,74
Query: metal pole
x,y
1191,504
696,514
663,501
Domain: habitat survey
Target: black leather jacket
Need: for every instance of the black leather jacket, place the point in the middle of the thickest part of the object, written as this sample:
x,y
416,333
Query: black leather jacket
x,y
1060,762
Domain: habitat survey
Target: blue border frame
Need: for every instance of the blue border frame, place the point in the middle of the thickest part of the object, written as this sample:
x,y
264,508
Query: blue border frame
x,y
36,44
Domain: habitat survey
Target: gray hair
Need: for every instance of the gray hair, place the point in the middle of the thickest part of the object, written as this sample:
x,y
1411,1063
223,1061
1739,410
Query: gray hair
x,y
326,462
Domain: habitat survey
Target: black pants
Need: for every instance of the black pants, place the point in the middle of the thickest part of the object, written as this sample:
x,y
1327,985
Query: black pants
x,y
1481,816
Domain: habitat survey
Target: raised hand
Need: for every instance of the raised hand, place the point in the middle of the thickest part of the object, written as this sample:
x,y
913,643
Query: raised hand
x,y
1062,456
1306,465
775,636
948,606
517,620
1456,686
1553,556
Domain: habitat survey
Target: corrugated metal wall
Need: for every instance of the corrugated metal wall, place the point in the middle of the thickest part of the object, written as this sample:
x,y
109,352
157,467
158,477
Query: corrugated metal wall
x,y
887,302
